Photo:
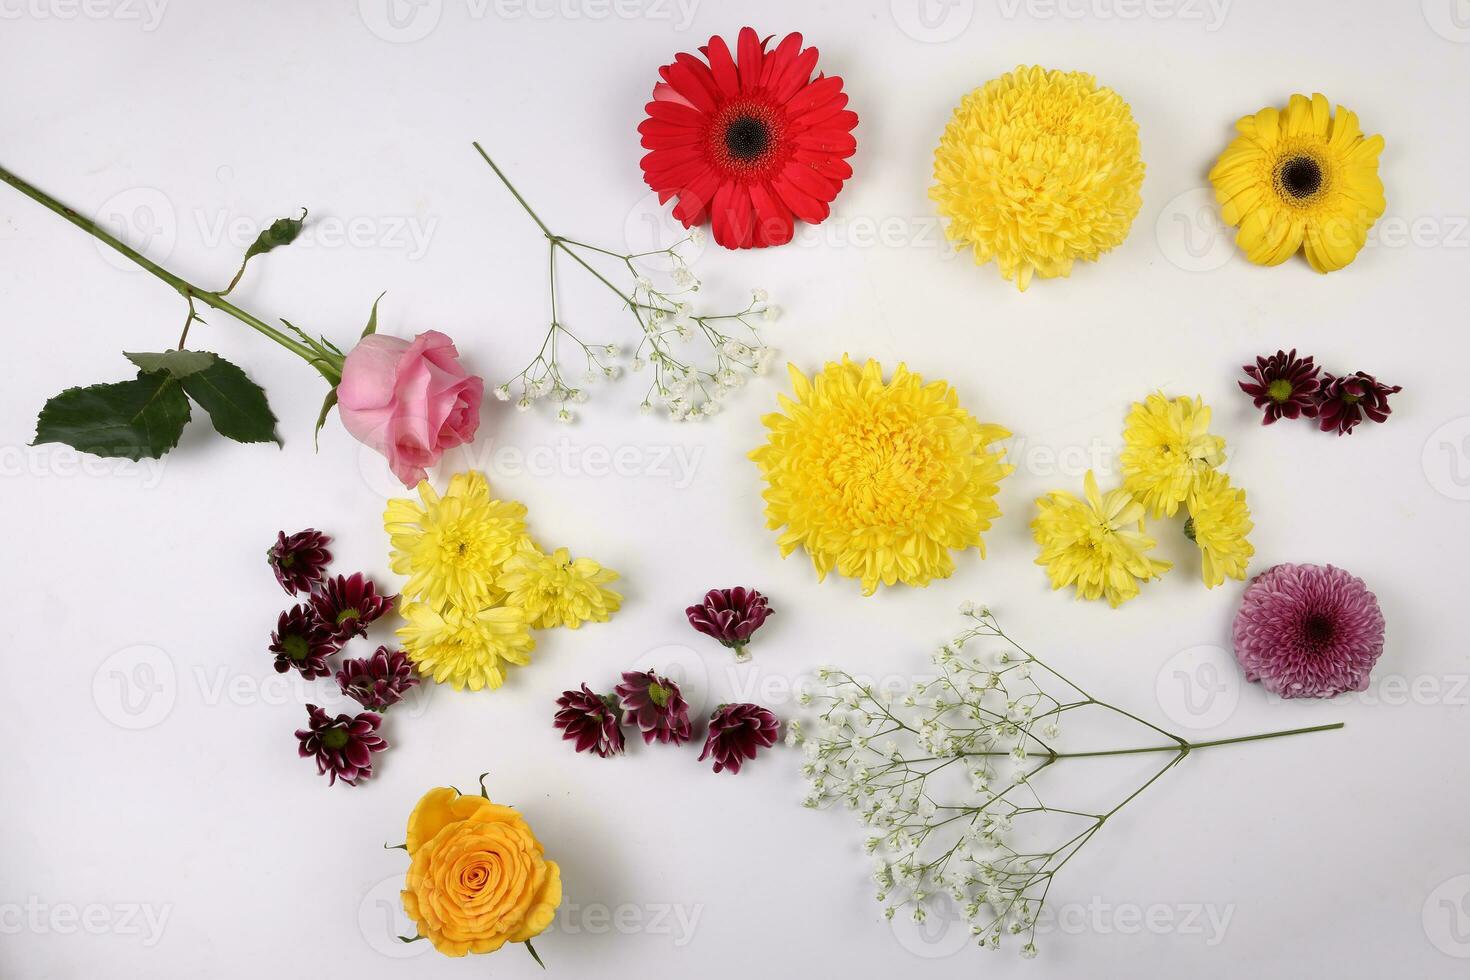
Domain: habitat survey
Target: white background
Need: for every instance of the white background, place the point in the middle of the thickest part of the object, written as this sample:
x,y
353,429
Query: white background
x,y
150,763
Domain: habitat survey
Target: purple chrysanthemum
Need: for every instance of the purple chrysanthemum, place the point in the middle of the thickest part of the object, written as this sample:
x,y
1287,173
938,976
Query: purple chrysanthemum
x,y
1284,385
655,706
299,560
736,733
1342,402
348,603
342,746
379,681
730,616
302,642
593,720
1308,631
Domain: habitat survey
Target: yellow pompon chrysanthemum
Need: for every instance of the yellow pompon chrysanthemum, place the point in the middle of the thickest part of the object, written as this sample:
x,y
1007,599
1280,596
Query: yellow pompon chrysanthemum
x,y
1096,544
556,589
1302,179
465,648
1167,446
1038,169
879,480
452,547
1218,522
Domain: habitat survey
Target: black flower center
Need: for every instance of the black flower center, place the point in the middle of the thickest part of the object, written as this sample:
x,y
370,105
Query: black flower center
x,y
1301,177
1317,630
747,138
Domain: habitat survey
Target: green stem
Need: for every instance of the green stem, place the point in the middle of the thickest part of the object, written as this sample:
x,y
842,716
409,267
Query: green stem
x,y
184,288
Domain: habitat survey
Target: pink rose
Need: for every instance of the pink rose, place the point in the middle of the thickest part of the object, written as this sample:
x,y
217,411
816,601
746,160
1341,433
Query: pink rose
x,y
409,401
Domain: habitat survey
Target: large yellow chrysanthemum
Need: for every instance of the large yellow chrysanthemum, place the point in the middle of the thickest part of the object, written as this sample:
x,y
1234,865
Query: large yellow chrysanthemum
x,y
451,547
1167,447
1218,522
879,480
1300,179
1038,169
1096,544
463,647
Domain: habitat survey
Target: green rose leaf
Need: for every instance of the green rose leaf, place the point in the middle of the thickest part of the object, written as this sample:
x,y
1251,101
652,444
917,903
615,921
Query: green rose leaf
x,y
321,419
236,405
129,419
282,231
179,363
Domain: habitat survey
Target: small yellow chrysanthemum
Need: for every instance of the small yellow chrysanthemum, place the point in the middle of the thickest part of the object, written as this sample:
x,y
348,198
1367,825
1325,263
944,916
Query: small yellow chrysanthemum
x,y
879,480
1218,522
1167,446
465,647
1303,179
1038,169
1098,544
451,548
555,589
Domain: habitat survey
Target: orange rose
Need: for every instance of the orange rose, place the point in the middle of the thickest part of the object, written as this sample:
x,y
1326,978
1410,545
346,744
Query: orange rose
x,y
478,877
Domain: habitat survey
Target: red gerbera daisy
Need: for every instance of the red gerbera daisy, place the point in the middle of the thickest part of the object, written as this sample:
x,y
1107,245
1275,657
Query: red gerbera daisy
x,y
749,142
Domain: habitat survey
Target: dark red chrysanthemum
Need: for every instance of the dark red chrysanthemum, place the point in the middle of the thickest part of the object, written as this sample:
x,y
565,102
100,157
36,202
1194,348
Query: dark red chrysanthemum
x,y
736,732
1284,385
348,603
1342,402
303,642
593,720
299,560
379,681
730,616
1308,631
750,142
655,706
342,746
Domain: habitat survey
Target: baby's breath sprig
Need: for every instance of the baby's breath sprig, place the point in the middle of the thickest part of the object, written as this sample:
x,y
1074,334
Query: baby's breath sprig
x,y
945,776
565,366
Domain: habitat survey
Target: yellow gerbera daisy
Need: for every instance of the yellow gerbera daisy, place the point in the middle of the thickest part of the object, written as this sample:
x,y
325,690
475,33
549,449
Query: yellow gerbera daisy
x,y
879,480
1096,544
1167,445
1300,179
1038,169
451,547
464,647
555,589
1218,522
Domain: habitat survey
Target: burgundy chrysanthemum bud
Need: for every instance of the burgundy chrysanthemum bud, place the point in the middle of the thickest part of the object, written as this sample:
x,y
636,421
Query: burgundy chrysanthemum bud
x,y
379,681
302,642
736,733
1284,385
299,560
1342,402
342,746
348,603
730,616
594,720
655,705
